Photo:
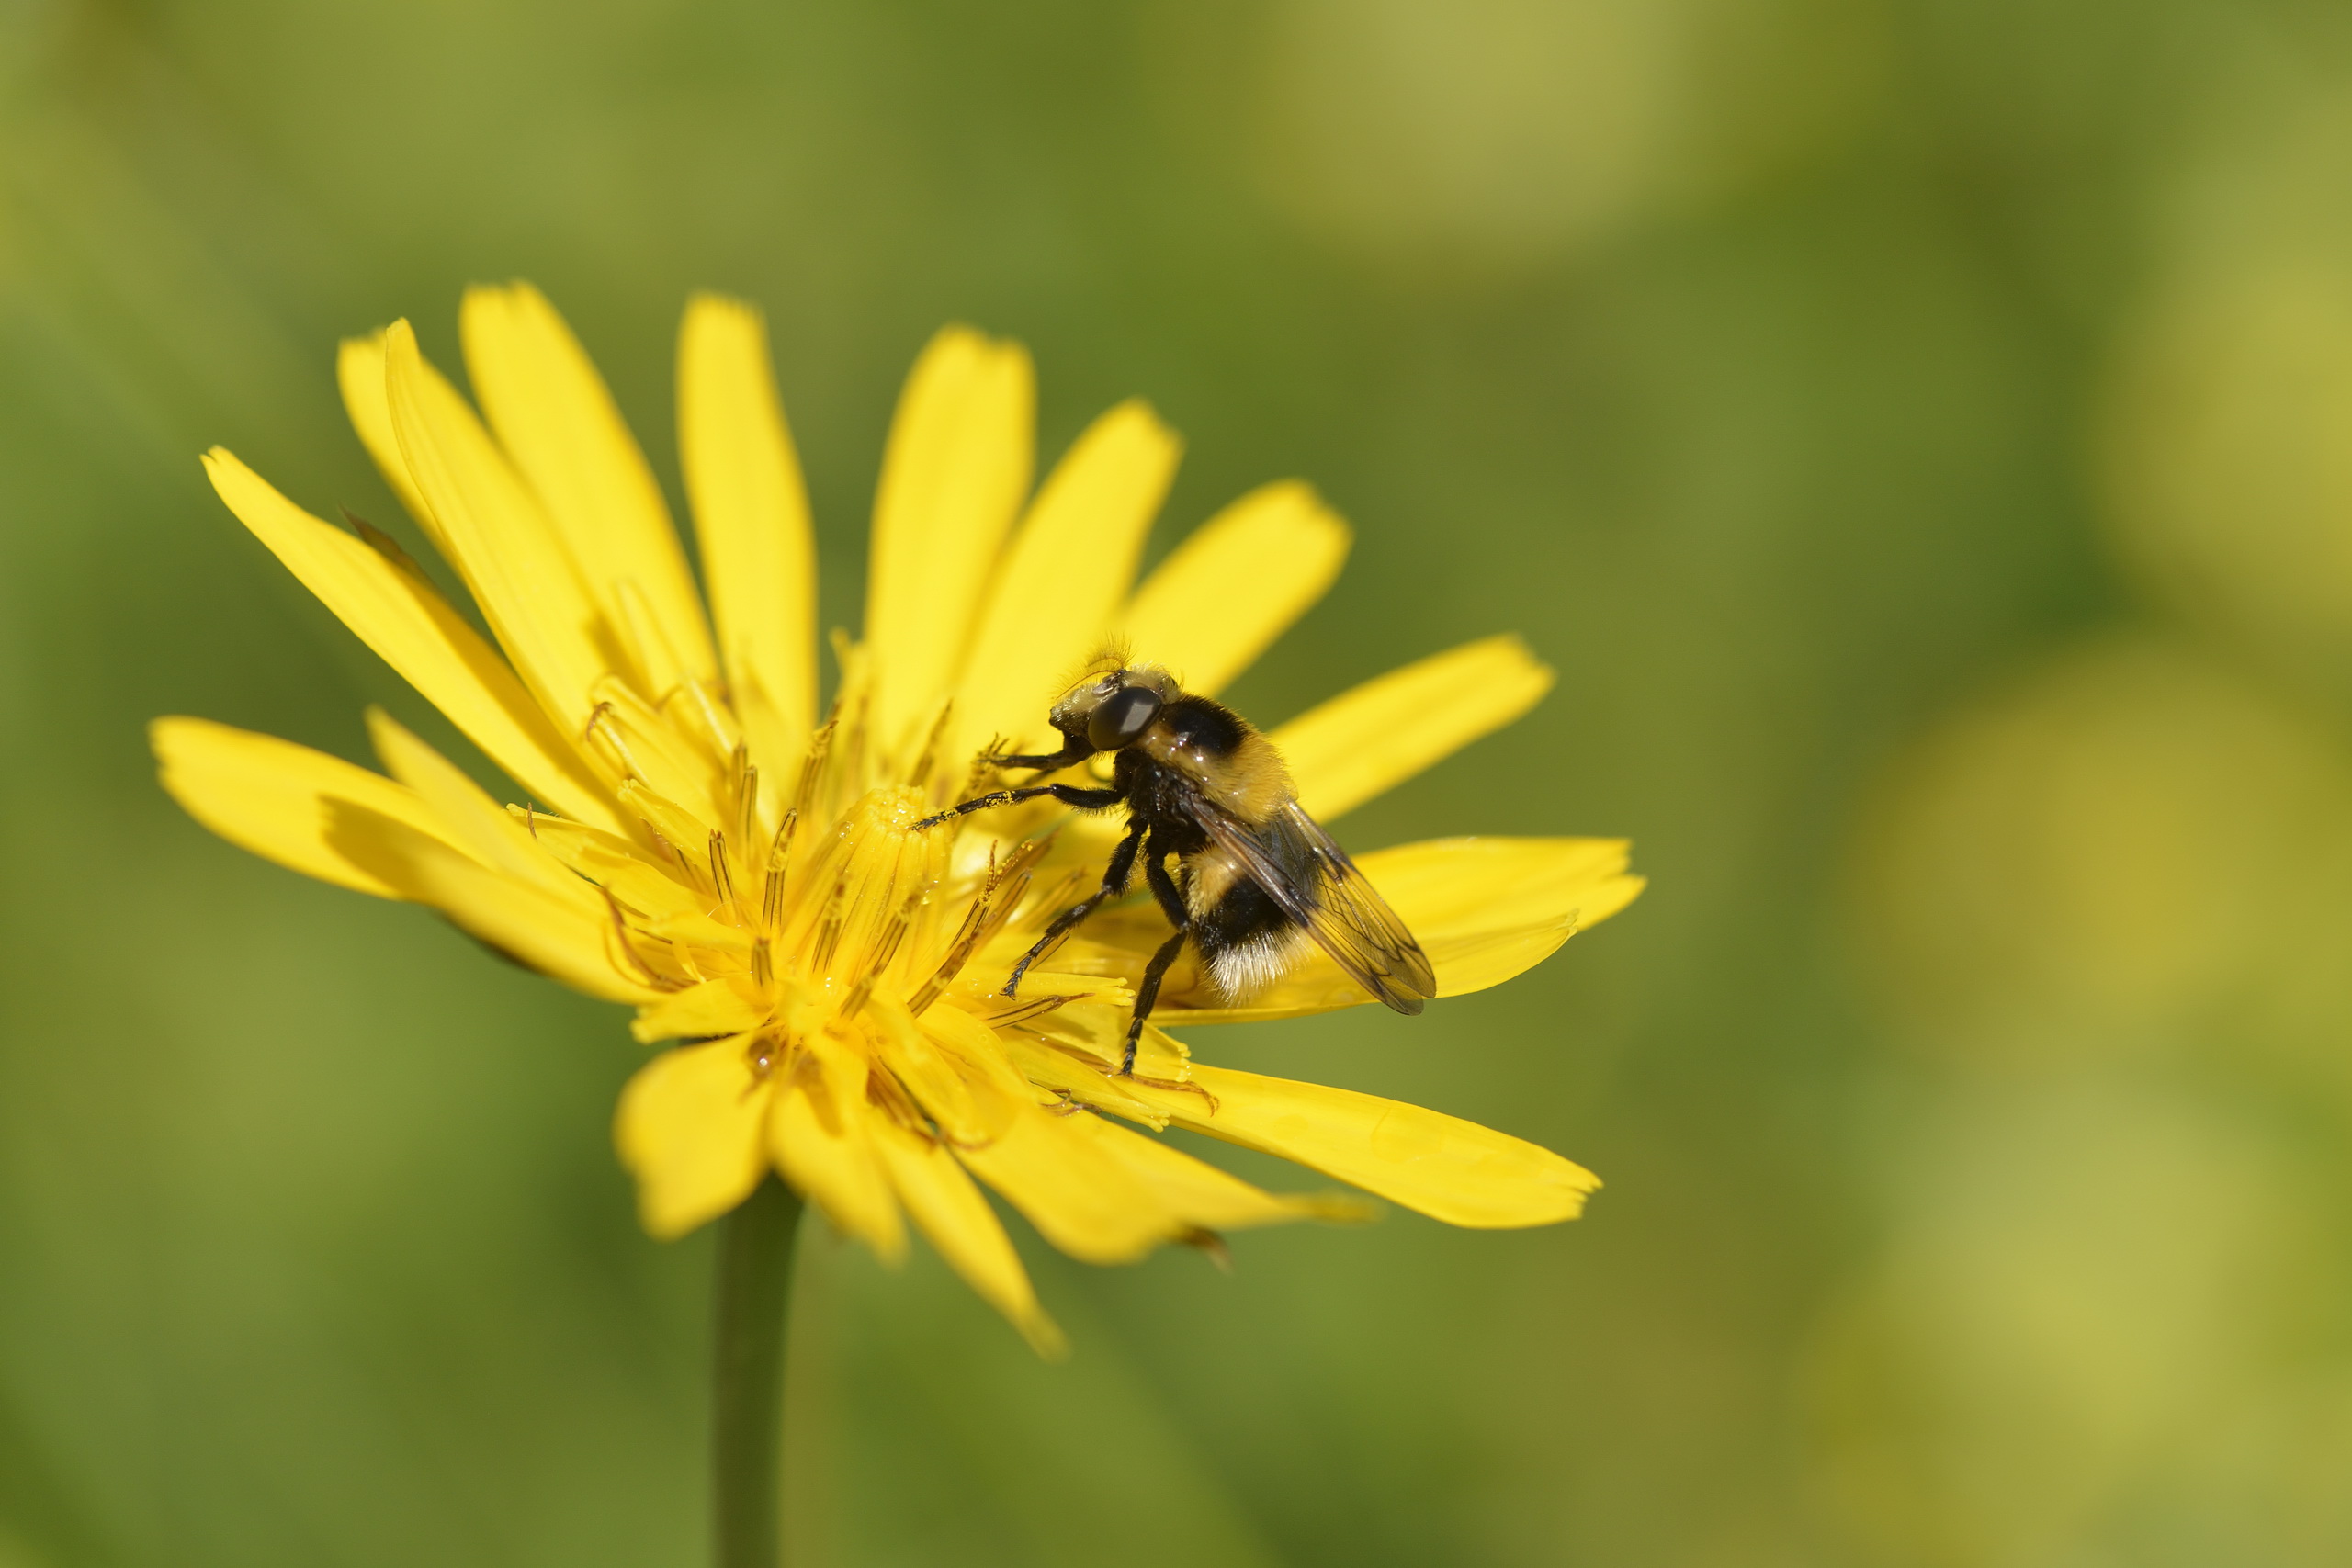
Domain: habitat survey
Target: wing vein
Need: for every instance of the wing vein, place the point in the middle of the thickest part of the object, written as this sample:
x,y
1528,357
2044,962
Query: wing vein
x,y
1344,913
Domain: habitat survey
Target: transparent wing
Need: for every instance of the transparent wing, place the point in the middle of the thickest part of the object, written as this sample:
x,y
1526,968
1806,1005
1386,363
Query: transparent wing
x,y
1294,861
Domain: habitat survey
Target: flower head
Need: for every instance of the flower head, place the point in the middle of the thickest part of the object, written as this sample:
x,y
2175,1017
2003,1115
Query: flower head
x,y
699,841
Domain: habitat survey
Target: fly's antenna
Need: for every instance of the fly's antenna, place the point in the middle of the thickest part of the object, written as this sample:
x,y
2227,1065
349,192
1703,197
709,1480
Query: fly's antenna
x,y
1109,657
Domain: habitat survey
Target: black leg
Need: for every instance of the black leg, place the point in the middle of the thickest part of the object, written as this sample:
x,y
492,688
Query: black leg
x,y
1115,882
1163,887
1172,904
1071,753
1068,795
1146,995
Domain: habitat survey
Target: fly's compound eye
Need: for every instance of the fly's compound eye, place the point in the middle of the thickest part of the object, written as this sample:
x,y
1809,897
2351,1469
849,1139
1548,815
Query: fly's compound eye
x,y
1118,718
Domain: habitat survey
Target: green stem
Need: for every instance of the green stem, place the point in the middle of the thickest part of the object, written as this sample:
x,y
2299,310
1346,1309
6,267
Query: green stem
x,y
746,1391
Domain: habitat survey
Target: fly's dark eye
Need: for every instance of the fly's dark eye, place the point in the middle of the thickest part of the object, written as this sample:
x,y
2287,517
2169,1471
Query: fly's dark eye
x,y
1118,718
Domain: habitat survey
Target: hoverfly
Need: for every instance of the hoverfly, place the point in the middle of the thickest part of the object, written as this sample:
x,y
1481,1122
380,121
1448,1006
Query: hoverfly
x,y
1258,878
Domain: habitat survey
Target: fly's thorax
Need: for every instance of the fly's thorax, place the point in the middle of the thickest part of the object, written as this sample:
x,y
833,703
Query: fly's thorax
x,y
1218,753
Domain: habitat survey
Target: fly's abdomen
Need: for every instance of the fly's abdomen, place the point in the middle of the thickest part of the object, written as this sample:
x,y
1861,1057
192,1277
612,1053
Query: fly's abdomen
x,y
1246,941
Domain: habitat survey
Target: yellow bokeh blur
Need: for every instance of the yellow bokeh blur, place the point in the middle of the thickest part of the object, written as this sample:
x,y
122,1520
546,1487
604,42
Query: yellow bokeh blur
x,y
2105,906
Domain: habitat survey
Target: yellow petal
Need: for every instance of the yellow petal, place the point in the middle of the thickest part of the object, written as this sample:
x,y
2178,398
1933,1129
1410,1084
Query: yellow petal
x,y
697,929
1485,909
685,832
557,937
689,1128
951,1213
958,462
470,818
1383,732
1101,1032
1079,1197
650,890
399,614
1484,882
518,569
752,517
568,840
966,1107
359,372
1201,1194
977,1054
1236,584
1445,1167
1068,1072
821,1134
613,864
281,800
1464,962
558,426
715,1007
1058,590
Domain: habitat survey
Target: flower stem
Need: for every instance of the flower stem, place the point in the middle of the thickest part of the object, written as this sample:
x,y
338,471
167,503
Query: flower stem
x,y
746,1391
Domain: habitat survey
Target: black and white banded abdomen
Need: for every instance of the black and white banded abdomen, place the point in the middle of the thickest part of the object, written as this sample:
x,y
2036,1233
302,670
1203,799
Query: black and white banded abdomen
x,y
1246,939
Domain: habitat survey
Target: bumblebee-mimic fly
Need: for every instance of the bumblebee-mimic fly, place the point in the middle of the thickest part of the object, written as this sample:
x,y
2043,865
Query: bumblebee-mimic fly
x,y
1257,878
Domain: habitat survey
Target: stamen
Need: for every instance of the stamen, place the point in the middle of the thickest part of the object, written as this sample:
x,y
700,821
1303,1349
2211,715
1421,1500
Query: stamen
x,y
674,827
1172,1086
885,948
983,769
987,916
703,705
812,767
1028,1008
747,798
828,926
959,952
851,766
1058,896
1079,1053
663,754
885,1090
600,726
779,866
920,775
722,880
669,852
653,977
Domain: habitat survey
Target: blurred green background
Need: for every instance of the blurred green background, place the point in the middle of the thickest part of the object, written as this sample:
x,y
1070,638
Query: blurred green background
x,y
1920,430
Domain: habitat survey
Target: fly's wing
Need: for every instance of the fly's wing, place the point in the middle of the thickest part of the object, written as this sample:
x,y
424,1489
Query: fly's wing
x,y
1344,913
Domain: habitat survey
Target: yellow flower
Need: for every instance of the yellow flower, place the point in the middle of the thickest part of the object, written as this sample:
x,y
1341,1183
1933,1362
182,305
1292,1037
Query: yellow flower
x,y
700,845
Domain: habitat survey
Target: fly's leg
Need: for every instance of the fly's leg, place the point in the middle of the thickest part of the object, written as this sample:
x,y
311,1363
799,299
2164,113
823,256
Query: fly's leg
x,y
1072,753
1115,882
1068,795
1172,904
1146,996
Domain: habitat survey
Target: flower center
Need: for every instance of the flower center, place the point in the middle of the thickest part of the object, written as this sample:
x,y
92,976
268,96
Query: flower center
x,y
866,905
